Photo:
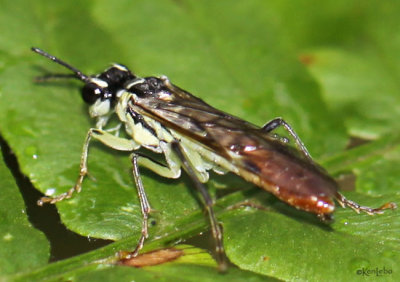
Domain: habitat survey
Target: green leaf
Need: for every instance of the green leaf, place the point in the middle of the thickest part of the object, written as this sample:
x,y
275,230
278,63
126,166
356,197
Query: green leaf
x,y
289,245
374,164
330,69
22,247
170,273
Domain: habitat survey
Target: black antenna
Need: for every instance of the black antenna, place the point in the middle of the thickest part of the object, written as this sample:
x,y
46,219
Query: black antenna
x,y
77,72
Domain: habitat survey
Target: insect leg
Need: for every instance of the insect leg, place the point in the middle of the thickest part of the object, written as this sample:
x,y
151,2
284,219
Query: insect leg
x,y
107,139
277,122
356,207
144,205
171,170
215,227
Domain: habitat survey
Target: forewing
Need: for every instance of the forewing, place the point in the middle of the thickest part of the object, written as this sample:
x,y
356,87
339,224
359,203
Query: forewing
x,y
194,118
261,158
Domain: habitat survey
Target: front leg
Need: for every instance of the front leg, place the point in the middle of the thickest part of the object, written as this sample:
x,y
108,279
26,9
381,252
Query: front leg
x,y
106,138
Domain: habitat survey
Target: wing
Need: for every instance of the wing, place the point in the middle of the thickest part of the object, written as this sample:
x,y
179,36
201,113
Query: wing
x,y
191,116
261,159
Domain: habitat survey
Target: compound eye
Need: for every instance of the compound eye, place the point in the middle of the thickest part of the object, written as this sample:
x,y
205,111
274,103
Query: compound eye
x,y
91,92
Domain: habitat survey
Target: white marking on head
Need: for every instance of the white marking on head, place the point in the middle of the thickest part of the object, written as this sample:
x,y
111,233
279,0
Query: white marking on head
x,y
120,67
101,83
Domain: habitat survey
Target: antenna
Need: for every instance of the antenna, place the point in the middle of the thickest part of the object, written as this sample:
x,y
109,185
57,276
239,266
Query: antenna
x,y
77,72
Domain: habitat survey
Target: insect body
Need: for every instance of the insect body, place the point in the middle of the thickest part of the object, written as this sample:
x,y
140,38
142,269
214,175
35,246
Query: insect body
x,y
192,135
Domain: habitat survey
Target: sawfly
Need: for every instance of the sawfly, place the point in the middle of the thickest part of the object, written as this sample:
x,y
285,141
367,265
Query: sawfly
x,y
192,135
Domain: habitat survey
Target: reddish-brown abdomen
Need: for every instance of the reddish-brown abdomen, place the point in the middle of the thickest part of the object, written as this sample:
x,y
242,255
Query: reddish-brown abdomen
x,y
296,181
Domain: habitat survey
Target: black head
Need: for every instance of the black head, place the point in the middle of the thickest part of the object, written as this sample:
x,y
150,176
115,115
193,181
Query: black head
x,y
103,87
106,85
